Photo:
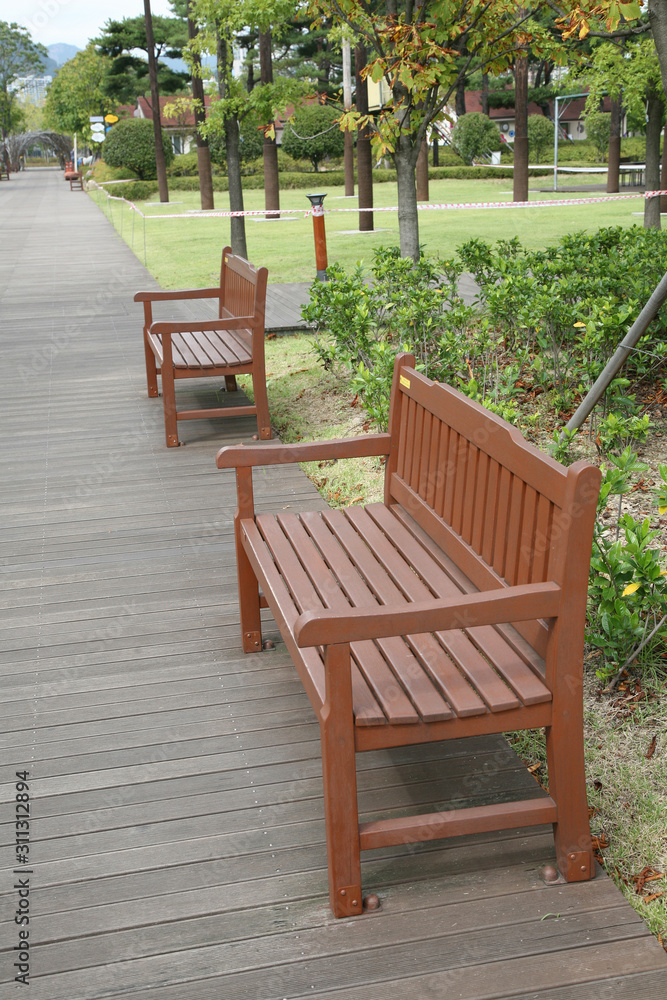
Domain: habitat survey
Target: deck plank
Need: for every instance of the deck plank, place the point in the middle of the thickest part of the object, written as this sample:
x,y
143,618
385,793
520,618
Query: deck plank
x,y
178,836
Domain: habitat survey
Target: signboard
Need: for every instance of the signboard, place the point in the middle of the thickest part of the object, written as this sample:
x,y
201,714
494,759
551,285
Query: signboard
x,y
111,119
97,137
96,118
97,127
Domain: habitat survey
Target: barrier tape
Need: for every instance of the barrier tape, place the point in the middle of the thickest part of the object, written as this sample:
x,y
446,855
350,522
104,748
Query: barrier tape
x,y
544,203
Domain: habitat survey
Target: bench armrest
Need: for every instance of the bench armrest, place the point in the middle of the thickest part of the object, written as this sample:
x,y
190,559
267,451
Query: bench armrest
x,y
513,604
210,325
160,295
244,457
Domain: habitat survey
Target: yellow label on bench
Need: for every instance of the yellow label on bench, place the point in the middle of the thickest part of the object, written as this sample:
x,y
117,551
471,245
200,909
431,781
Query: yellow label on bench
x,y
405,381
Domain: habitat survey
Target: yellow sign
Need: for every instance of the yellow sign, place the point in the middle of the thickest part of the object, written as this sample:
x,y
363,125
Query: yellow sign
x,y
405,381
111,119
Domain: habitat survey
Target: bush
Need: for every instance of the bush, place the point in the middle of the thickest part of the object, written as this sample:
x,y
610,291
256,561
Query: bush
x,y
540,136
136,190
475,135
312,134
184,165
598,128
447,157
131,144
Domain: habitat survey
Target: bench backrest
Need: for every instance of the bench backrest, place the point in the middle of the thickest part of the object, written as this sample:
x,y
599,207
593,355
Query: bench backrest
x,y
506,513
242,288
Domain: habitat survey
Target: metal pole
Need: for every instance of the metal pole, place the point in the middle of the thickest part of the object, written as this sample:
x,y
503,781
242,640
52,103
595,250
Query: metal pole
x,y
556,146
316,200
616,362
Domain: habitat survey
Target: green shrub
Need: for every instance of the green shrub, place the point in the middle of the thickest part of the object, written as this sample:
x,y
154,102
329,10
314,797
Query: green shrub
x,y
633,149
540,136
475,135
136,190
184,165
447,157
131,144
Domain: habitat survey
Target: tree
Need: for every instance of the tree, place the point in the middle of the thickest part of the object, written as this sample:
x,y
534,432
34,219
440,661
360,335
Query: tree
x,y
220,23
313,134
475,135
160,161
19,56
598,130
131,144
423,50
540,136
128,73
77,92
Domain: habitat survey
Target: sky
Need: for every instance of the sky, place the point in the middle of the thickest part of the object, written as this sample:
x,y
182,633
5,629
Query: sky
x,y
72,21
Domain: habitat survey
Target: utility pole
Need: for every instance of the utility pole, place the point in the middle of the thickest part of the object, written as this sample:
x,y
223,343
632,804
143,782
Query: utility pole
x,y
155,101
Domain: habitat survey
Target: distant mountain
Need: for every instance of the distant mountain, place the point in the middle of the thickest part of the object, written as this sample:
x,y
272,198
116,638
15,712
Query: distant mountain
x,y
61,52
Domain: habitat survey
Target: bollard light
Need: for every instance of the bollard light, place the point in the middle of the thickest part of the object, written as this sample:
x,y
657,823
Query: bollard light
x,y
316,200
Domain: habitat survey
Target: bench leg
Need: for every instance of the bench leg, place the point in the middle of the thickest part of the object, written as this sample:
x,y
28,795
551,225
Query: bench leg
x,y
151,368
251,624
169,404
230,383
567,786
262,404
340,785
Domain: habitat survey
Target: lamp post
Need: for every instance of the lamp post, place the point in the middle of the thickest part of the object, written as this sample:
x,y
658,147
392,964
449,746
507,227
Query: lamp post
x,y
316,200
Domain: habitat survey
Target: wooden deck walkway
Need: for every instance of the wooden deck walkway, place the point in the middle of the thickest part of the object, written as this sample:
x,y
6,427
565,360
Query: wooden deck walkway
x,y
176,838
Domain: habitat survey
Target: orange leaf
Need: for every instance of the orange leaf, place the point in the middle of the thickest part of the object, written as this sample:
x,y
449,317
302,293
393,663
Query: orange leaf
x,y
651,748
654,895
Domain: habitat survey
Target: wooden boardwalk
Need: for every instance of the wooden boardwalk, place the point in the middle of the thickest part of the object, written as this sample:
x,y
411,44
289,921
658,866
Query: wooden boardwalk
x,y
176,834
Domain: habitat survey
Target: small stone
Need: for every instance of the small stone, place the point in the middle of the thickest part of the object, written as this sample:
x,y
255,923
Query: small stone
x,y
255,437
268,644
371,902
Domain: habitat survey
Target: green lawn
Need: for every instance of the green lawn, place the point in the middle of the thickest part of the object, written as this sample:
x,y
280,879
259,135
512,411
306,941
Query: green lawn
x,y
186,252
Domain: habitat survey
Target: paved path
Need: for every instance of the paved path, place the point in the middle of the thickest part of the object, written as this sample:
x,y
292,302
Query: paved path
x,y
176,832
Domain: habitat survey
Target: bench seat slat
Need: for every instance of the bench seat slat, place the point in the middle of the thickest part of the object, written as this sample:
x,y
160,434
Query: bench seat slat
x,y
460,695
306,598
492,688
396,705
405,667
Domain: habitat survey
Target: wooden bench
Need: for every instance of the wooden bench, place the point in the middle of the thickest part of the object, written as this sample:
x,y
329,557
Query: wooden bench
x,y
455,608
228,346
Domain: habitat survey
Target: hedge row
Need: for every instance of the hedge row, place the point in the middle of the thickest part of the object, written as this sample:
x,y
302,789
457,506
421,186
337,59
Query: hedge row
x,y
141,190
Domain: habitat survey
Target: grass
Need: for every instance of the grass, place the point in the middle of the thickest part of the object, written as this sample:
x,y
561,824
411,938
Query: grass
x,y
185,252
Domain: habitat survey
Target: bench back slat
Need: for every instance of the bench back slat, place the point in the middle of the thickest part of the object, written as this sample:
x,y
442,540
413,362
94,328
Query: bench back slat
x,y
242,288
471,479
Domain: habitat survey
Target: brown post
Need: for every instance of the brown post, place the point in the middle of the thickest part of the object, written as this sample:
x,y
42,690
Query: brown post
x,y
348,154
316,200
663,171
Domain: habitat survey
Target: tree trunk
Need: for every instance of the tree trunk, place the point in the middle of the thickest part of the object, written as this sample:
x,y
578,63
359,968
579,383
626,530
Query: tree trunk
x,y
663,171
460,104
520,192
270,150
160,163
237,224
348,154
408,220
657,16
422,172
203,152
436,149
614,158
655,107
364,155
485,94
